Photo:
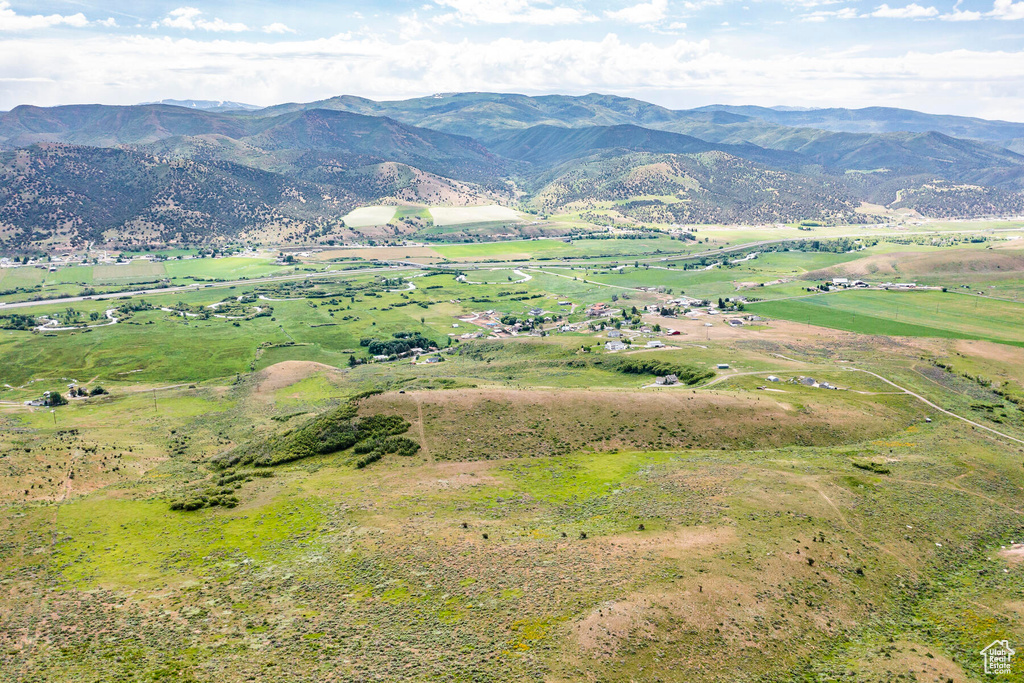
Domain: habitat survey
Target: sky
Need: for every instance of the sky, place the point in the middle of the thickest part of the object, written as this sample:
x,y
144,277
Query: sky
x,y
946,57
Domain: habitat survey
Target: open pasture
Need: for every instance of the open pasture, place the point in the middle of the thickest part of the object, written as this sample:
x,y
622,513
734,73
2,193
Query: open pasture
x,y
128,273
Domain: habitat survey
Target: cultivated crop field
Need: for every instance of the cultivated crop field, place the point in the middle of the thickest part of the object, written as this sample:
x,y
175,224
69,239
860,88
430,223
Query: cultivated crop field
x,y
289,492
460,215
368,216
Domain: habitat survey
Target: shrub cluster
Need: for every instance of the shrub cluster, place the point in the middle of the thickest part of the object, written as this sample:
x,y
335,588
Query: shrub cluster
x,y
336,430
875,467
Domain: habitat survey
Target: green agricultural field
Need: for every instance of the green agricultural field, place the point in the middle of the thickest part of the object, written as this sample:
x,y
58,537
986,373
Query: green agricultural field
x,y
128,273
228,268
912,314
83,275
22,276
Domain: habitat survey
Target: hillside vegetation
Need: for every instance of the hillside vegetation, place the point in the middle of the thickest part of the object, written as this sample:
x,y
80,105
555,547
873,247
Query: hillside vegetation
x,y
160,174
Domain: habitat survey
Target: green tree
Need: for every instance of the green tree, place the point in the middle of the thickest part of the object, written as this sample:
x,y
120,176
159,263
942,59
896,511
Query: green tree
x,y
54,398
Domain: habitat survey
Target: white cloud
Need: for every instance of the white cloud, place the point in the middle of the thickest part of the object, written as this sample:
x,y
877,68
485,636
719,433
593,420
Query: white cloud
x,y
109,22
1007,10
542,12
822,15
643,13
133,68
191,18
960,15
911,11
277,27
697,5
812,3
12,21
410,26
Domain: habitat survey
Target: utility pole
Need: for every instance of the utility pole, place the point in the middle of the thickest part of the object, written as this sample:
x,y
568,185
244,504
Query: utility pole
x,y
154,399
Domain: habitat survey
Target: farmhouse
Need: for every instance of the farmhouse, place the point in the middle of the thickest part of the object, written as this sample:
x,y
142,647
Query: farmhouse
x,y
599,310
840,281
614,346
666,380
612,334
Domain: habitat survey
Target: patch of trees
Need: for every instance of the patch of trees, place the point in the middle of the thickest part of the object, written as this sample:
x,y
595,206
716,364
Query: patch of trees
x,y
54,399
17,321
402,343
687,374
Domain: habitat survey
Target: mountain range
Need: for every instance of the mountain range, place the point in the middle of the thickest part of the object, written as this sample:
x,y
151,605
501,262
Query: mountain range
x,y
194,171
